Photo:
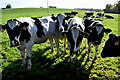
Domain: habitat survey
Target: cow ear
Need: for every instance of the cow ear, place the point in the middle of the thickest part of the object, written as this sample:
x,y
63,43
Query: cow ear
x,y
3,27
107,31
68,17
24,25
85,35
111,35
90,29
53,17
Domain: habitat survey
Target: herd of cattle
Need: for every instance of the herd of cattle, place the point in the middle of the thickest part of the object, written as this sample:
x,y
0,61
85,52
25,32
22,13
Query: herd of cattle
x,y
26,31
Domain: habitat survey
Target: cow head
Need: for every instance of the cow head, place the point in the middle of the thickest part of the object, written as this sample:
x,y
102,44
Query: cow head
x,y
96,33
112,46
114,39
75,36
61,22
14,28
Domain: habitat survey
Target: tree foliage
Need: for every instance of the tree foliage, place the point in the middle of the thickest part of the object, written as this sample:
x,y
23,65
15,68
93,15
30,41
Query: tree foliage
x,y
113,8
8,6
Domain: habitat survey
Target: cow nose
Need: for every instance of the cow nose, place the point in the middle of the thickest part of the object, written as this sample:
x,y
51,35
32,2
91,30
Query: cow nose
x,y
74,51
60,29
14,43
96,42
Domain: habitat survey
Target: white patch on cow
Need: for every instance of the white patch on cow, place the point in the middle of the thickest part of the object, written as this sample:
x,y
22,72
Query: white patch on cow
x,y
60,19
75,34
28,20
99,29
78,21
12,24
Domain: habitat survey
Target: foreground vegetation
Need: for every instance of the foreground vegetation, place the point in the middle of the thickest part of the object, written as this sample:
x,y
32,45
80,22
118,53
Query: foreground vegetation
x,y
45,64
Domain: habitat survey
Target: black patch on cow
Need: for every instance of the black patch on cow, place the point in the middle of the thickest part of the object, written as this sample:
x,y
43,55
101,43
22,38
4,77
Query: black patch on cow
x,y
38,23
25,35
70,40
79,39
80,27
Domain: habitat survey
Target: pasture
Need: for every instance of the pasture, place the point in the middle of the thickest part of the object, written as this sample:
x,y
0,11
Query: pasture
x,y
46,65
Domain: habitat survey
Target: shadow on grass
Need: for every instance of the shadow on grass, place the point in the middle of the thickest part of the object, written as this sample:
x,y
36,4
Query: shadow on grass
x,y
43,68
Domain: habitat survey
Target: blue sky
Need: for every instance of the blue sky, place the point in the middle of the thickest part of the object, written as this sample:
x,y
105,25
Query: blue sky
x,y
96,4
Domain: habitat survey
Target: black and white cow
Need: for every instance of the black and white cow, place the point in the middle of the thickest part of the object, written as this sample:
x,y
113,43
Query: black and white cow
x,y
96,30
112,46
99,15
88,14
108,16
62,26
75,33
26,31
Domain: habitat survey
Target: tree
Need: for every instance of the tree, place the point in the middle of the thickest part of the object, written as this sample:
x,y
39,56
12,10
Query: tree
x,y
8,6
108,8
113,8
118,6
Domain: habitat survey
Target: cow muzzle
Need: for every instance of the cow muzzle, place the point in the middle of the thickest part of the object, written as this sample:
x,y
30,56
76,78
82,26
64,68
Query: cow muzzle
x,y
96,43
14,43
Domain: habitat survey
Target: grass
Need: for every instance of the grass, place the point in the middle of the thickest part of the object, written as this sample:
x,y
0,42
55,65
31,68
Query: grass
x,y
45,64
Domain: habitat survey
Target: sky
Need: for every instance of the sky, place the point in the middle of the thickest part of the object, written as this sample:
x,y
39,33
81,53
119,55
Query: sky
x,y
96,4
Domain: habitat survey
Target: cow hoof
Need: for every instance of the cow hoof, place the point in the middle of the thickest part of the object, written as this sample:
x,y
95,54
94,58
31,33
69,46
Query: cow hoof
x,y
88,59
64,52
58,54
22,65
67,48
28,68
71,62
76,61
52,51
95,57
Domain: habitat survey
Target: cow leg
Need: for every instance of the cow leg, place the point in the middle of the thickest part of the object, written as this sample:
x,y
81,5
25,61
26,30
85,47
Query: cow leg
x,y
85,42
28,50
64,46
22,51
71,59
52,46
68,45
57,44
76,59
96,49
89,49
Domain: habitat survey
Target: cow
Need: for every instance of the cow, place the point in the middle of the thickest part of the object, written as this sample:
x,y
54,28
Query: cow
x,y
62,26
26,31
75,33
108,16
96,31
112,46
89,14
72,13
99,15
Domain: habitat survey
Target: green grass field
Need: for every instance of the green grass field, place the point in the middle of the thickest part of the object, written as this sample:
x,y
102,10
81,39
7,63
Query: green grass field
x,y
45,64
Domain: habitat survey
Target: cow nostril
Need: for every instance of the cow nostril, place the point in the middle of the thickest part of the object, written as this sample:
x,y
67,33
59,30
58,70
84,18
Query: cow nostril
x,y
74,51
60,30
96,42
13,43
